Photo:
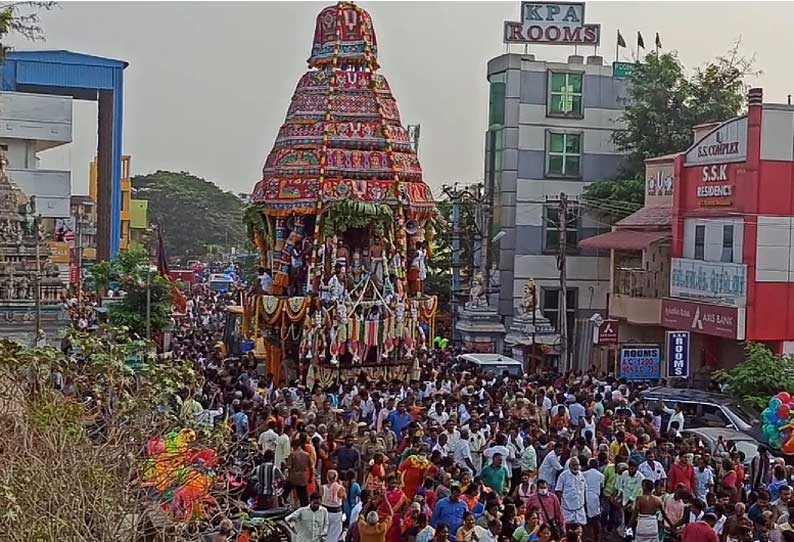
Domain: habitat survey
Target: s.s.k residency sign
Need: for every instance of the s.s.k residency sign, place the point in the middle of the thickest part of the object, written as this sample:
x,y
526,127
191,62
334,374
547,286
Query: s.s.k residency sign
x,y
552,23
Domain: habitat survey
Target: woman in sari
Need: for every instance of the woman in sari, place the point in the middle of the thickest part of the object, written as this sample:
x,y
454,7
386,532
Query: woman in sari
x,y
353,492
413,471
376,477
394,502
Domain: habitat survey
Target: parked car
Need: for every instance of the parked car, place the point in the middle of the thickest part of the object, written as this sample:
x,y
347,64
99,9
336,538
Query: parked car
x,y
706,409
495,363
709,436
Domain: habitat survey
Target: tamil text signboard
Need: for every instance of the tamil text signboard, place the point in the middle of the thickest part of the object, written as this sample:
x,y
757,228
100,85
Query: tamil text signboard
x,y
678,354
709,281
640,362
552,23
717,320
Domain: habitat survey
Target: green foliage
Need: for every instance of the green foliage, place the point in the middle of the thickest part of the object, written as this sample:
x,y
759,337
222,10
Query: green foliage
x,y
347,214
129,270
760,376
76,457
255,220
193,213
663,108
22,19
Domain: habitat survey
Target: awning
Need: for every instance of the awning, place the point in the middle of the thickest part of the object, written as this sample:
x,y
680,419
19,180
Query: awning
x,y
624,240
654,216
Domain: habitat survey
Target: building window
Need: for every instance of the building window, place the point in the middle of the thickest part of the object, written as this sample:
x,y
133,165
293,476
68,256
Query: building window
x,y
727,243
551,306
565,94
700,242
496,103
551,224
564,155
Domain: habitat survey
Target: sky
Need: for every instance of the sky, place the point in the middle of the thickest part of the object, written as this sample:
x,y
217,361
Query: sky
x,y
209,83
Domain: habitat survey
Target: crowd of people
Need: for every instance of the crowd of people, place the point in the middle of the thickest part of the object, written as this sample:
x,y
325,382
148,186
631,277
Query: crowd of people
x,y
458,455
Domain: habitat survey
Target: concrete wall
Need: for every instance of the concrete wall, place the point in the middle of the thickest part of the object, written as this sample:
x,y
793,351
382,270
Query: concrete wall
x,y
30,123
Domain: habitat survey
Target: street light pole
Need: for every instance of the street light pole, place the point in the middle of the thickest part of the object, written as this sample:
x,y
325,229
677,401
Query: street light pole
x,y
148,293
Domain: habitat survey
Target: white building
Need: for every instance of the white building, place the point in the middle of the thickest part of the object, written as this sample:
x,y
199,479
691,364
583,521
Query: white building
x,y
29,124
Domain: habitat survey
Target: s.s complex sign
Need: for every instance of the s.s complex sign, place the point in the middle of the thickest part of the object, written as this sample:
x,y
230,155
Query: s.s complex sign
x,y
552,23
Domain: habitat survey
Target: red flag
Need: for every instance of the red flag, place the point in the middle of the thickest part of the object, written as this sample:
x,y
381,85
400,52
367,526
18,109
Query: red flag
x,y
180,301
162,260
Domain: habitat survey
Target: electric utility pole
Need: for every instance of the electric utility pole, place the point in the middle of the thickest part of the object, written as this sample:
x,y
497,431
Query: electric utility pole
x,y
454,196
562,219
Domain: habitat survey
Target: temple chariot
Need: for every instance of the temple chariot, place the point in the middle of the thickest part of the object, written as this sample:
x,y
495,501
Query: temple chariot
x,y
344,221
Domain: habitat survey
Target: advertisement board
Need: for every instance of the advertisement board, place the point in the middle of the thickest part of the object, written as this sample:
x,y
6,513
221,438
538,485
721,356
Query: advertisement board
x,y
552,23
641,362
608,332
709,281
726,143
678,354
717,320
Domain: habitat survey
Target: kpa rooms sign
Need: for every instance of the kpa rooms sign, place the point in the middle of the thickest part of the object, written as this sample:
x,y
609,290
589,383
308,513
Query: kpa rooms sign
x,y
552,23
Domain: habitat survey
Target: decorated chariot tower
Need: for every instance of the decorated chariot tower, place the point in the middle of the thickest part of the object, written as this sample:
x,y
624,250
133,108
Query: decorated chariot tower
x,y
342,219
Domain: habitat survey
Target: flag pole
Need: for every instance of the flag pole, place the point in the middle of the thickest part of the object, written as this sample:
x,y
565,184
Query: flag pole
x,y
617,45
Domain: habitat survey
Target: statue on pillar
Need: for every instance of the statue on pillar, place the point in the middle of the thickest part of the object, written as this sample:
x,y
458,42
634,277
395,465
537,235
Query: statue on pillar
x,y
529,300
477,293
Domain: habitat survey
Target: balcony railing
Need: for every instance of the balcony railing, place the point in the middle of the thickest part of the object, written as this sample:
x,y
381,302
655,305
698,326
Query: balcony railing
x,y
641,283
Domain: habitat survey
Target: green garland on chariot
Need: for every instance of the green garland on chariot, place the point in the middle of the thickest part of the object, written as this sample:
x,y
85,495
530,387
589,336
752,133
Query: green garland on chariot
x,y
340,216
255,221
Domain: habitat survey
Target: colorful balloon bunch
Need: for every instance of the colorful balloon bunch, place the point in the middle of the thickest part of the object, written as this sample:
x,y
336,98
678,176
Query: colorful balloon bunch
x,y
778,423
181,476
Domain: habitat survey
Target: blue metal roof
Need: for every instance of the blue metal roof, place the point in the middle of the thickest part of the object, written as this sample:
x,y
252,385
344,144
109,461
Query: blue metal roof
x,y
63,56
84,77
60,72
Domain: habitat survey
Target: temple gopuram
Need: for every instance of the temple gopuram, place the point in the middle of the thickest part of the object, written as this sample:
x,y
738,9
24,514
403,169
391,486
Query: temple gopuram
x,y
18,270
343,219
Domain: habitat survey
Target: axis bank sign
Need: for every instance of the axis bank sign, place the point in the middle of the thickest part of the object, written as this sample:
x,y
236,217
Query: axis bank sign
x,y
704,318
726,143
552,23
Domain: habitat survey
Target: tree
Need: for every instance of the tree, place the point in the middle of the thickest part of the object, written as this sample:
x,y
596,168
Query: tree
x,y
193,213
128,270
73,459
22,19
760,376
664,107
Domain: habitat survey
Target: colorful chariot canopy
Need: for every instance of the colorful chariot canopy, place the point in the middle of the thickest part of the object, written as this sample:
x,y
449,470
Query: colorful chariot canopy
x,y
342,138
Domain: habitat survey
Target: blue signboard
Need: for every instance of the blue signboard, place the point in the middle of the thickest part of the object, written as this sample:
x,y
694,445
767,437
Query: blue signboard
x,y
641,362
678,354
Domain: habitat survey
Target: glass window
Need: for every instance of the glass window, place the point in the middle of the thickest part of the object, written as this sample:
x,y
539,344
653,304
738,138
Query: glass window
x,y
727,243
552,228
565,94
551,306
496,110
700,241
564,154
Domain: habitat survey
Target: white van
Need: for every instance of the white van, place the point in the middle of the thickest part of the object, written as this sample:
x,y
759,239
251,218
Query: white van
x,y
495,363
